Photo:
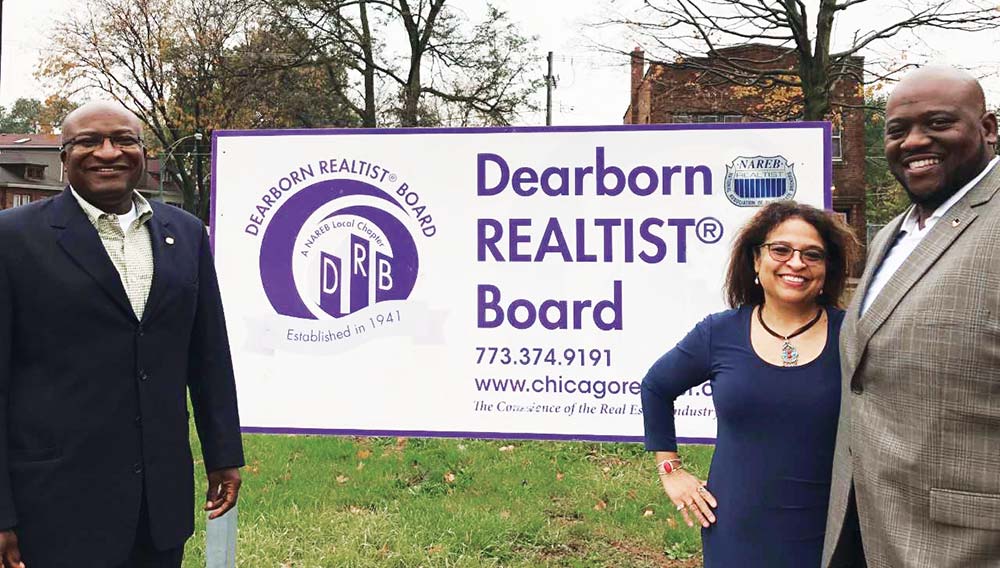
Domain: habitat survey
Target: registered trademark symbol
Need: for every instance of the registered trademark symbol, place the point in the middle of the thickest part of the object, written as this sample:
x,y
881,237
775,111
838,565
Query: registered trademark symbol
x,y
709,230
392,177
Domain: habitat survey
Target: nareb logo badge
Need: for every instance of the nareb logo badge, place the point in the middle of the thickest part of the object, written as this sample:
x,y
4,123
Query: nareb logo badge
x,y
754,181
335,248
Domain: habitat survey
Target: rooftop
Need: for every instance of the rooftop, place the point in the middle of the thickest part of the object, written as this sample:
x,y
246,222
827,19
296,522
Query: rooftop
x,y
30,140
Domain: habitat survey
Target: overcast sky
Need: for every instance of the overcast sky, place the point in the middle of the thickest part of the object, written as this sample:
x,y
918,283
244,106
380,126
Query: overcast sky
x,y
592,86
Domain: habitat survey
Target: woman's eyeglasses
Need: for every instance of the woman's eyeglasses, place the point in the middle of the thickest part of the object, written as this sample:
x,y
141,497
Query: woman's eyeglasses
x,y
781,252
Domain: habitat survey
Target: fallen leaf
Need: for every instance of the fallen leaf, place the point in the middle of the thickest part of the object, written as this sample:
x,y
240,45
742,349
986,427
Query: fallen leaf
x,y
435,549
606,469
449,477
601,505
361,465
355,509
401,442
506,448
342,479
647,512
631,493
671,523
560,475
505,514
364,453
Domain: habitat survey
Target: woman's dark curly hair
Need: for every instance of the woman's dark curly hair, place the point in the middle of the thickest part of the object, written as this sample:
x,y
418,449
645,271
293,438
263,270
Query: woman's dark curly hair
x,y
838,239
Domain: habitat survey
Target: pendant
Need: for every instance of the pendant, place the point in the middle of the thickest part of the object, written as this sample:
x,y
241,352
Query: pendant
x,y
789,354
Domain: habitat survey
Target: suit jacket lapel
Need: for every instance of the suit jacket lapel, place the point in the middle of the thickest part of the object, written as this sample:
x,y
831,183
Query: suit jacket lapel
x,y
948,228
159,231
849,329
78,237
875,260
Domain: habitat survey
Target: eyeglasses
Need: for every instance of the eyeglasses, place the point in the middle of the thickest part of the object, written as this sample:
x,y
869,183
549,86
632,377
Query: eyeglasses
x,y
781,252
91,142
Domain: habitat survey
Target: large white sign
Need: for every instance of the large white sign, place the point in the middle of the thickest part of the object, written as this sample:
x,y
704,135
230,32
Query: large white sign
x,y
513,283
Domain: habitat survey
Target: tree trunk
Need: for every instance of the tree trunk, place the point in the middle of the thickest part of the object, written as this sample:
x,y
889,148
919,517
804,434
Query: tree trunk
x,y
368,117
411,90
411,94
816,76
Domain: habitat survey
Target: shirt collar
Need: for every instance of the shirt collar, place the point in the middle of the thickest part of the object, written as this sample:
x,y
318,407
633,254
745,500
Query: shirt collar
x,y
910,221
144,211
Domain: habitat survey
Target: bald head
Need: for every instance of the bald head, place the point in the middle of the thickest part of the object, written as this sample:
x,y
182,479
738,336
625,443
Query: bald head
x,y
938,134
81,115
962,84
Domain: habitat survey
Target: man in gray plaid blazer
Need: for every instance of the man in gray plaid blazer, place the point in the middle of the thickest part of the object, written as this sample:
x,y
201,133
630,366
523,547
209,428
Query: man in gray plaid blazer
x,y
917,469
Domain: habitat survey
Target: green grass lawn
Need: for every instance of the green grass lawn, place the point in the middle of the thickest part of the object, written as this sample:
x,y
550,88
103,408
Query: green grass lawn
x,y
312,501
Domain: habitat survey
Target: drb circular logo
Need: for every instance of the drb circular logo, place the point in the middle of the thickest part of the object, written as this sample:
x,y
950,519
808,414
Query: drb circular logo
x,y
335,248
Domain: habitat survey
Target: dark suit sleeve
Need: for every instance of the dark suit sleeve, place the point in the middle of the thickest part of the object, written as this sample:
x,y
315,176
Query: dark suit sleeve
x,y
685,366
8,517
210,372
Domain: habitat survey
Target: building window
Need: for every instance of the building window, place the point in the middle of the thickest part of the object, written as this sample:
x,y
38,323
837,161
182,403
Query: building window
x,y
19,199
836,136
34,173
706,118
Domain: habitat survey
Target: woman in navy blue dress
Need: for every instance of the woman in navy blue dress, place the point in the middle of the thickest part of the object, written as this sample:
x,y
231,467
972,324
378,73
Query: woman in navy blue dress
x,y
774,368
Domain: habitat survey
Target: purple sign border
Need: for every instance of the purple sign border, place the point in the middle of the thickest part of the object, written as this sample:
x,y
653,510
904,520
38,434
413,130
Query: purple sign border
x,y
216,134
456,434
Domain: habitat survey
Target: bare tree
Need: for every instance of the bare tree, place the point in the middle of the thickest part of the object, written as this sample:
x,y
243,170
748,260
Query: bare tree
x,y
696,33
186,66
420,63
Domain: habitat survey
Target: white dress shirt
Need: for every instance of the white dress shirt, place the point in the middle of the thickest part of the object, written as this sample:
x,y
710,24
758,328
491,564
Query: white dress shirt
x,y
909,236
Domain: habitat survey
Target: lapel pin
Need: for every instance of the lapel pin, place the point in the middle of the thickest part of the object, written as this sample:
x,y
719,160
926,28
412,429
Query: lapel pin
x,y
169,240
955,222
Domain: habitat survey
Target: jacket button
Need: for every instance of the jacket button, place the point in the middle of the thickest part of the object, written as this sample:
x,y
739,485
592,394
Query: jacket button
x,y
139,331
143,376
138,420
137,468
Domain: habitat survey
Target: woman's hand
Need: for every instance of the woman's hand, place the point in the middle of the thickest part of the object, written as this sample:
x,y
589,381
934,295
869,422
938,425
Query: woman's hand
x,y
690,496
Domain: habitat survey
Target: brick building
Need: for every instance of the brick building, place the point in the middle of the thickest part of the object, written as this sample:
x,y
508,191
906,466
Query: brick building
x,y
30,170
686,92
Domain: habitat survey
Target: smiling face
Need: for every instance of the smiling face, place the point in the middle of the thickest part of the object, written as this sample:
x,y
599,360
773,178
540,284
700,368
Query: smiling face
x,y
792,282
105,174
938,135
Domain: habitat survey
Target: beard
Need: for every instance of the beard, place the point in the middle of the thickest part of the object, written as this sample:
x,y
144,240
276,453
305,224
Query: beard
x,y
953,181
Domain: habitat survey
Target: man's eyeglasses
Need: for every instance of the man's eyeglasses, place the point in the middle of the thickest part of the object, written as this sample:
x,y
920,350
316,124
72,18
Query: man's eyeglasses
x,y
781,252
91,142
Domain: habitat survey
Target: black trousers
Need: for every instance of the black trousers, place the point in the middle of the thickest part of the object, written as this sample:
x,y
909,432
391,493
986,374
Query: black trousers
x,y
144,554
850,551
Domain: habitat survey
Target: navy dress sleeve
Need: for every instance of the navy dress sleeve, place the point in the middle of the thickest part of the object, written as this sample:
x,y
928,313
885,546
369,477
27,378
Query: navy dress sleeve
x,y
685,366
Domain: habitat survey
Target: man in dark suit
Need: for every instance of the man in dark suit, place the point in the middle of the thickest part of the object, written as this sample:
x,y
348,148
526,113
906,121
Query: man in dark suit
x,y
109,314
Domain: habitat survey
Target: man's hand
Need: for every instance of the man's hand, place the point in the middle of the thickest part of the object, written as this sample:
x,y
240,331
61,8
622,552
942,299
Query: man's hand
x,y
223,491
10,553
